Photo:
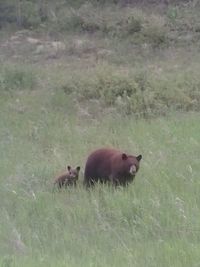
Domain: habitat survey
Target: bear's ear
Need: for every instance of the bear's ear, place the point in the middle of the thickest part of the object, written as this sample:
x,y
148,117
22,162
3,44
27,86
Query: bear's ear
x,y
139,157
124,156
69,168
78,168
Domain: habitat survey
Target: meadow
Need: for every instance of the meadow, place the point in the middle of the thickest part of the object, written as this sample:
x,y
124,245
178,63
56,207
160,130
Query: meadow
x,y
101,89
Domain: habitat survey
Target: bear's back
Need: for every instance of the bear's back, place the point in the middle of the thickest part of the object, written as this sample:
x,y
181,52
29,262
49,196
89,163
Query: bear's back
x,y
99,164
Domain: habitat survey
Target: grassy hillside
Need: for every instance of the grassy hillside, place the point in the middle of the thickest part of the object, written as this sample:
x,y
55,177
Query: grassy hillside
x,y
101,75
154,222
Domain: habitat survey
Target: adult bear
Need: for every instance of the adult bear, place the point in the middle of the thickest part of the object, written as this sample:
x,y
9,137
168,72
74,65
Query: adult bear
x,y
111,165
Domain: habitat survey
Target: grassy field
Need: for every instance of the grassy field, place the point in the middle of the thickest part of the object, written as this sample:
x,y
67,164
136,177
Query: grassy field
x,y
106,81
154,222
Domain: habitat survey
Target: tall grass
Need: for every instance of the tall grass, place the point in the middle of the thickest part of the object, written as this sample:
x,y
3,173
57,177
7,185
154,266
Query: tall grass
x,y
102,227
17,77
125,78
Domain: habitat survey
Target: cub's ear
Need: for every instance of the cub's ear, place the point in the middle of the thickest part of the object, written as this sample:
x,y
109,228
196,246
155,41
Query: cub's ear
x,y
69,168
139,157
124,156
78,168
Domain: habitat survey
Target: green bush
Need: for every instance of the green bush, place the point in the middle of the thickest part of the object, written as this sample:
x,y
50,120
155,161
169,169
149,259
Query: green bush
x,y
155,35
128,94
114,22
30,15
7,13
155,31
24,13
139,93
85,18
134,25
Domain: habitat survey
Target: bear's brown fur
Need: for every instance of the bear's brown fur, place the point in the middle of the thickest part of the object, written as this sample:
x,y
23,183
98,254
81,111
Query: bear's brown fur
x,y
68,178
110,165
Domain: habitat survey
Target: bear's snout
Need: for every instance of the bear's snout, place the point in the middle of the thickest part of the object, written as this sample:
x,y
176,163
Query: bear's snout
x,y
133,170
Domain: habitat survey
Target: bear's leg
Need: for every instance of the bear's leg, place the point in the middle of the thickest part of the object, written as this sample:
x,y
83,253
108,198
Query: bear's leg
x,y
114,181
88,182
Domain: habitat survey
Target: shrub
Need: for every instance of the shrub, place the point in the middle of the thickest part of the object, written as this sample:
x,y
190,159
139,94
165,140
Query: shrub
x,y
115,22
23,13
140,93
126,93
85,18
155,31
30,15
7,13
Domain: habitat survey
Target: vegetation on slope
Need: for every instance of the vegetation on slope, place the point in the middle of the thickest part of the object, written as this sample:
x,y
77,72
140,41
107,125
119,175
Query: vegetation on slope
x,y
75,75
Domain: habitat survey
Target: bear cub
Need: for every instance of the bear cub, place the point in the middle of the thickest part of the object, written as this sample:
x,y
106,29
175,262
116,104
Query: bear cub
x,y
68,178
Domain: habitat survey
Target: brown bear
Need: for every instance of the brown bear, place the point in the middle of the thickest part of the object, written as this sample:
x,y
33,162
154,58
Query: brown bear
x,y
110,165
68,178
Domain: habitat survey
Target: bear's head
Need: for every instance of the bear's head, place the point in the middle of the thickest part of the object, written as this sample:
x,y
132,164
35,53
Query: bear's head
x,y
130,164
73,173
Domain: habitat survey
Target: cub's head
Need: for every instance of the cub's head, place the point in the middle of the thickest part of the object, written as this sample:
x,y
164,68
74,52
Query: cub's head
x,y
131,164
73,173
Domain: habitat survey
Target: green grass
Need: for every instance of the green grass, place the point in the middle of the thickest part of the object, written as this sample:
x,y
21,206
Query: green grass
x,y
154,222
126,78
